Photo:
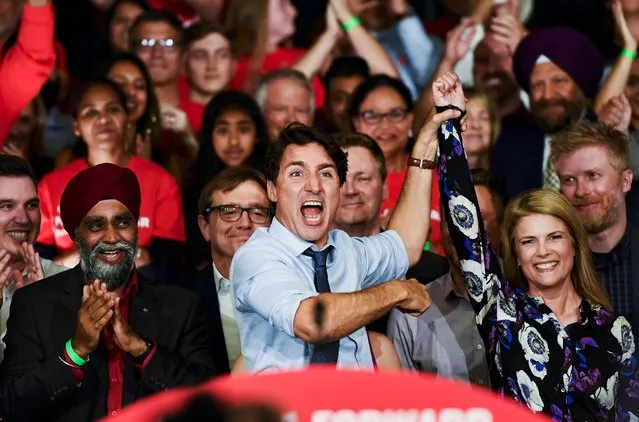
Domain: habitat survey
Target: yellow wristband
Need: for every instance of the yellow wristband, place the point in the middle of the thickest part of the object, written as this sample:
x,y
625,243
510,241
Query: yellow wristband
x,y
351,23
631,54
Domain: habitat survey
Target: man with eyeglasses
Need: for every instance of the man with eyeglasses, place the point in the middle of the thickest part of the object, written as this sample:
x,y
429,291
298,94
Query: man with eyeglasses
x,y
232,206
157,39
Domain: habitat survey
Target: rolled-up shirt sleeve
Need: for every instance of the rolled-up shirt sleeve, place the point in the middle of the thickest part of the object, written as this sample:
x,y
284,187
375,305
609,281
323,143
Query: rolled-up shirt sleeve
x,y
383,257
271,289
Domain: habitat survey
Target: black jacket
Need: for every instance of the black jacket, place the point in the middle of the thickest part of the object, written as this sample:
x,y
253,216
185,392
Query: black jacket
x,y
36,385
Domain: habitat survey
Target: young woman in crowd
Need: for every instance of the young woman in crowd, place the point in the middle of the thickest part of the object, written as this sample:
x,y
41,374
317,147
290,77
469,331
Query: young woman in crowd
x,y
483,128
102,122
119,19
233,134
381,107
25,139
145,136
554,344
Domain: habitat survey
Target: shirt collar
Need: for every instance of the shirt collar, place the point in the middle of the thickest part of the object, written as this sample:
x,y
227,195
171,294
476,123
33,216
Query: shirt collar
x,y
220,281
294,243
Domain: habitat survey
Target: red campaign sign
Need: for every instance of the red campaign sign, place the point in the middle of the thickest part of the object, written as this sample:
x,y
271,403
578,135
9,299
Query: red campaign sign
x,y
326,395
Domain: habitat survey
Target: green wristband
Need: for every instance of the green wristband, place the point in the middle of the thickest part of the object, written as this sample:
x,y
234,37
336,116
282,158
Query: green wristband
x,y
77,359
631,54
351,23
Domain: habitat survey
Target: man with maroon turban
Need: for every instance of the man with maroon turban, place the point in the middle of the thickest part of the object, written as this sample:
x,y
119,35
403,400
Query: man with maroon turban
x,y
560,69
84,343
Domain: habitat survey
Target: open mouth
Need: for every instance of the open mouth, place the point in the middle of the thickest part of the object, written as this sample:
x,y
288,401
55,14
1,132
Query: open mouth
x,y
111,257
312,212
546,266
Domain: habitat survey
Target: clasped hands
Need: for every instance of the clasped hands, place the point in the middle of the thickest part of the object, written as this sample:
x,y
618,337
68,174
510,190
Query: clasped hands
x,y
100,309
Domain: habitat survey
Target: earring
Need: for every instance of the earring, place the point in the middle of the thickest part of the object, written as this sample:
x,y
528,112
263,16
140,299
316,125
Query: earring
x,y
410,133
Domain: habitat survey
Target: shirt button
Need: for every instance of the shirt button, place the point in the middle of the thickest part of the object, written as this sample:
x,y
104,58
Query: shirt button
x,y
479,347
111,347
113,413
114,380
481,382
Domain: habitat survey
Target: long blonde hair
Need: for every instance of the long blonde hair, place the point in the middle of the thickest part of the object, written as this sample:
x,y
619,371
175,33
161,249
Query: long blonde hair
x,y
547,202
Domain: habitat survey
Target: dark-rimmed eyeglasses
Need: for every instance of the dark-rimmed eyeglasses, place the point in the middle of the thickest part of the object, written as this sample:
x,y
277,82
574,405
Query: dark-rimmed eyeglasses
x,y
395,115
232,213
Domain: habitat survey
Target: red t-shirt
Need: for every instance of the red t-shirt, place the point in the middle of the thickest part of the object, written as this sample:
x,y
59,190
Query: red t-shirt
x,y
194,111
161,214
27,65
280,58
394,182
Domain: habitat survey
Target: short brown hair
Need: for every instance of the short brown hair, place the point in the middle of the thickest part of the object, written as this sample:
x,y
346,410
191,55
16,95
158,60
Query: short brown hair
x,y
201,29
583,134
356,139
227,180
299,134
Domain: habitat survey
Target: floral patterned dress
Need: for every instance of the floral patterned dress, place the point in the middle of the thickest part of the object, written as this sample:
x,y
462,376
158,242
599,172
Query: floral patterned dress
x,y
586,371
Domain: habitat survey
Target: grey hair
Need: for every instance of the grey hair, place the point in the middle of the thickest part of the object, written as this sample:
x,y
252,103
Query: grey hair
x,y
284,73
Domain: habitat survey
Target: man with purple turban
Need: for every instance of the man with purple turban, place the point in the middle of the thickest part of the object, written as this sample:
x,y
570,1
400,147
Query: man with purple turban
x,y
560,69
84,343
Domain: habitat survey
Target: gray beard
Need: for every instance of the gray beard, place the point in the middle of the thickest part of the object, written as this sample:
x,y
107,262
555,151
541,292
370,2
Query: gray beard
x,y
113,275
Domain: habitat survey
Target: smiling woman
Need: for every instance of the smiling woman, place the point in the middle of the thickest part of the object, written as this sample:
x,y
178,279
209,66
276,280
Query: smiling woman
x,y
554,343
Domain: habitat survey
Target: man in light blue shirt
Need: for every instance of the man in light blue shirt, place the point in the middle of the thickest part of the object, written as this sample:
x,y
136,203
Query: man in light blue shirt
x,y
276,300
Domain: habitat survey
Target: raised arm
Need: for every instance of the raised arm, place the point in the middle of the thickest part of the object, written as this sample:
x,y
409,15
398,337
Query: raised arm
x,y
363,42
617,79
457,46
28,64
460,206
411,216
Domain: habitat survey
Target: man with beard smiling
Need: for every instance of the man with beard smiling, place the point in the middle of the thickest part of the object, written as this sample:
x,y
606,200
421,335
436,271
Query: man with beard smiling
x,y
560,69
592,163
84,343
304,293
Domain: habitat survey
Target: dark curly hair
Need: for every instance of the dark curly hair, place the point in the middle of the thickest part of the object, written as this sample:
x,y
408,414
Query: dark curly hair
x,y
300,134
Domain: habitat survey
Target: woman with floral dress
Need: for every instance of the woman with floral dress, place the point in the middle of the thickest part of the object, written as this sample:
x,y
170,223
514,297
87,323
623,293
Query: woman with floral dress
x,y
552,340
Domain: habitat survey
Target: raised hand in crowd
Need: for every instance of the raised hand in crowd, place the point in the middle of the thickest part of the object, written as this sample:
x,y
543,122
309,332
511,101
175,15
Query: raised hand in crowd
x,y
617,113
458,42
506,27
94,315
617,79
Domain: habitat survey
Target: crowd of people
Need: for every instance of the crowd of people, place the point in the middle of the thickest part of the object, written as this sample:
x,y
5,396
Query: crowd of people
x,y
452,195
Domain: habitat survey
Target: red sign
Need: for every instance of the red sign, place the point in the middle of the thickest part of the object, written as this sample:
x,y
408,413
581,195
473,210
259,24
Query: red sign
x,y
326,395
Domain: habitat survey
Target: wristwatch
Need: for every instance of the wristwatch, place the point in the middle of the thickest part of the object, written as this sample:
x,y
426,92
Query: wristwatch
x,y
421,163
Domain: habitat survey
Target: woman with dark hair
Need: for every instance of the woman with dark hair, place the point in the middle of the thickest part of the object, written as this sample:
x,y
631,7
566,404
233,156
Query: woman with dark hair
x,y
145,136
382,108
101,121
119,19
233,134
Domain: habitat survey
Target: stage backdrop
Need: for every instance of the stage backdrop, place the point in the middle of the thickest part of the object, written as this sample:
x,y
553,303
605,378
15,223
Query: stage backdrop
x,y
326,395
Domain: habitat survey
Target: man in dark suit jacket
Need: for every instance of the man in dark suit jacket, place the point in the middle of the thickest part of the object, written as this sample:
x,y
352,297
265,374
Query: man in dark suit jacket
x,y
84,343
231,207
560,69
